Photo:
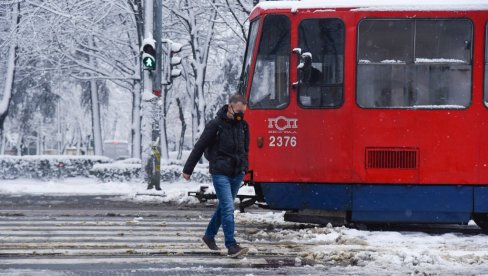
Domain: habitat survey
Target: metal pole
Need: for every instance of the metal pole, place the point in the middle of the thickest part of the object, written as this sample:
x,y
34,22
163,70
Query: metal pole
x,y
156,148
148,107
58,135
158,10
161,81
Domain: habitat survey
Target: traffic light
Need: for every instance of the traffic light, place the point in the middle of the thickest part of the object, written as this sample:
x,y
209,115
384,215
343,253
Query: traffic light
x,y
171,60
148,54
175,60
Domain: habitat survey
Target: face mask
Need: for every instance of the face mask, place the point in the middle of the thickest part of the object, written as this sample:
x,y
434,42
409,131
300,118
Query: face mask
x,y
238,116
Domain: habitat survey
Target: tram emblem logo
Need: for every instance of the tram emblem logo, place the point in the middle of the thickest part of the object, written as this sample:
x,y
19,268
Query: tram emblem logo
x,y
282,123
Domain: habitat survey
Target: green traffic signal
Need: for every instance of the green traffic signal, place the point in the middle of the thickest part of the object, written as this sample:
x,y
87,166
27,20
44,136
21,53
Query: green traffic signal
x,y
149,63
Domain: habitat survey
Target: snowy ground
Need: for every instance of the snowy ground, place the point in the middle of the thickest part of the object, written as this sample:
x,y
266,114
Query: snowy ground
x,y
340,249
379,252
176,192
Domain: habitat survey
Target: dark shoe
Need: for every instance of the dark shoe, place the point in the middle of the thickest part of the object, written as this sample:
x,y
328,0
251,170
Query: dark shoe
x,y
210,243
236,251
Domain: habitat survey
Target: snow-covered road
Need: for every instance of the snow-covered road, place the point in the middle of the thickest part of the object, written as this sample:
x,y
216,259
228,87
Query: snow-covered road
x,y
347,250
111,226
126,238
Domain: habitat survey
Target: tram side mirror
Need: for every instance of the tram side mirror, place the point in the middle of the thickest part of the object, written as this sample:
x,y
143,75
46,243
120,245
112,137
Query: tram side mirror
x,y
297,51
305,68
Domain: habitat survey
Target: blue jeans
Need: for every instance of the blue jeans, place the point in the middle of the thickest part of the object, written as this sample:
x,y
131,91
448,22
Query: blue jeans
x,y
226,189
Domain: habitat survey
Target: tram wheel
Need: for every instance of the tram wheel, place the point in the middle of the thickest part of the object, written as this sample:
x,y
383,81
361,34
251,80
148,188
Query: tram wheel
x,y
481,220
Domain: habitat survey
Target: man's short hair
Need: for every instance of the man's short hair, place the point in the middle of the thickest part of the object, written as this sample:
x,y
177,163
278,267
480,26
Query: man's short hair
x,y
237,97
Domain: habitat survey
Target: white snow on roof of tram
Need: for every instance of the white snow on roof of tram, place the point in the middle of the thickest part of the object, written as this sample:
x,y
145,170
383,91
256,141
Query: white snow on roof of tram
x,y
379,5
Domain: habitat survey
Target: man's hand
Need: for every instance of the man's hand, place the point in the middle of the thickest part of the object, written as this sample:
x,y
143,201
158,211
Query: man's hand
x,y
185,176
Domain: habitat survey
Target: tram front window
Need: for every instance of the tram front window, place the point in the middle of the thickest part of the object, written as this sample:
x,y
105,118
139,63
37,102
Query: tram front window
x,y
324,39
270,81
253,32
414,63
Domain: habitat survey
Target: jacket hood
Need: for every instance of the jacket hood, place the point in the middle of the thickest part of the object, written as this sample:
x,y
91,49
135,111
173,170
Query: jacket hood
x,y
222,113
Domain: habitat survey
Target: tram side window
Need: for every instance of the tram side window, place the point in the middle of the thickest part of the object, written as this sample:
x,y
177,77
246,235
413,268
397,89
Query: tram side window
x,y
324,39
414,63
270,80
253,31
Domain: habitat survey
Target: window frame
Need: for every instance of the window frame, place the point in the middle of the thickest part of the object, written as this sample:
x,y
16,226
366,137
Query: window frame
x,y
255,59
343,65
471,63
243,89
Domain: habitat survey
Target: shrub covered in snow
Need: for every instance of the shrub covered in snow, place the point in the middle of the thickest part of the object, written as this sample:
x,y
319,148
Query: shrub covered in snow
x,y
47,167
129,161
172,173
131,169
124,170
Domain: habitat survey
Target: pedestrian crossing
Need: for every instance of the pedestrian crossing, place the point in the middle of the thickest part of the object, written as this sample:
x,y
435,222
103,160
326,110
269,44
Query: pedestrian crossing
x,y
158,241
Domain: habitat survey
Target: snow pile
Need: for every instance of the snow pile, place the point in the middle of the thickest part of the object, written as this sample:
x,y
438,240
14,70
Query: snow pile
x,y
364,61
47,166
175,193
438,60
445,106
392,61
386,61
68,186
269,218
135,191
371,252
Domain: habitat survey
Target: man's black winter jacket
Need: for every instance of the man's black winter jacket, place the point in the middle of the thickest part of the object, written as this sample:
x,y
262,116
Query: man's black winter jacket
x,y
228,143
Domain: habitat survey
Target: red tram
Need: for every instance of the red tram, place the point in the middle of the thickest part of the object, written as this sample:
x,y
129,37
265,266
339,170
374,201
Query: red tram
x,y
368,112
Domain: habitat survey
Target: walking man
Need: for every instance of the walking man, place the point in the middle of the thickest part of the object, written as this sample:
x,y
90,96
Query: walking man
x,y
225,141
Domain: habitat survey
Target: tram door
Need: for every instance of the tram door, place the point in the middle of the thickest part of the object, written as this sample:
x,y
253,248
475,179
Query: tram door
x,y
269,108
294,129
322,122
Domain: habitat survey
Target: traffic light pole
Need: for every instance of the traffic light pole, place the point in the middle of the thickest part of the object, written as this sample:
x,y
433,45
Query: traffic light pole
x,y
149,155
157,36
156,146
148,29
156,61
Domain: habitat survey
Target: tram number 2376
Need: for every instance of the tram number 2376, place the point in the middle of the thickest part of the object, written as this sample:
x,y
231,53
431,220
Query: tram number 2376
x,y
282,141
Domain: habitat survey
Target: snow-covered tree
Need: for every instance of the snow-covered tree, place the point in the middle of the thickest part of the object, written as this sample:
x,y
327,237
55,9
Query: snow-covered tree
x,y
12,43
213,33
65,56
